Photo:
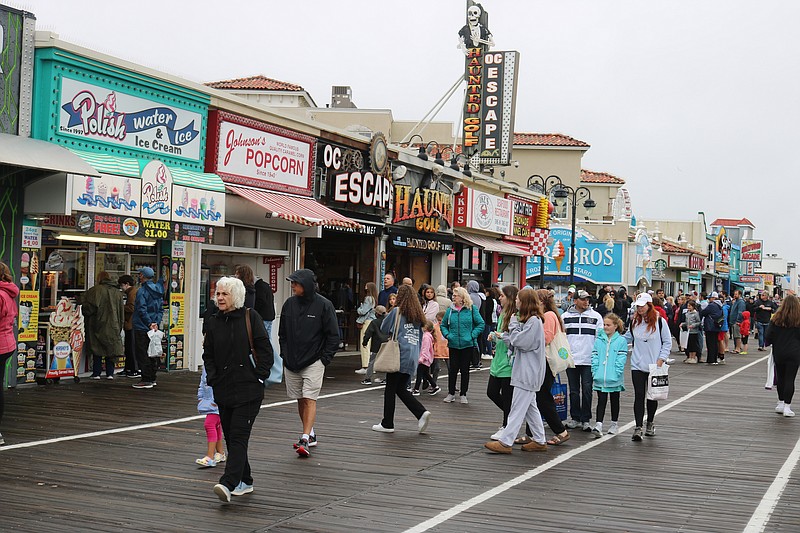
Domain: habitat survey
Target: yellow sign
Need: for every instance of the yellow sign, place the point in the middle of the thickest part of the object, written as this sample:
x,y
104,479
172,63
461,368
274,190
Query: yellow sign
x,y
176,312
28,316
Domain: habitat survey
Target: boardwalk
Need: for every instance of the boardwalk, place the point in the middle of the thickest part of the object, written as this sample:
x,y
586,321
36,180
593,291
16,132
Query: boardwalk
x,y
718,450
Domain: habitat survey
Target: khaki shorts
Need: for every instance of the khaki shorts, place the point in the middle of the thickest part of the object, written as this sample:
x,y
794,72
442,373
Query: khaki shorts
x,y
737,333
305,383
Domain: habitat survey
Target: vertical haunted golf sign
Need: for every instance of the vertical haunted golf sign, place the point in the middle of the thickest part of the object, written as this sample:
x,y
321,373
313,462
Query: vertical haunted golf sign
x,y
488,123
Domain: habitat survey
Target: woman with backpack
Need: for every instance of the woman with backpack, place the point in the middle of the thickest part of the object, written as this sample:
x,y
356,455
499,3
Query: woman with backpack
x,y
461,325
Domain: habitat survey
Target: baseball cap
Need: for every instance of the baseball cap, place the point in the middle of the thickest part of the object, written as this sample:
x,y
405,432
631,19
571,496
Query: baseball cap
x,y
714,294
571,289
147,272
643,299
582,294
380,310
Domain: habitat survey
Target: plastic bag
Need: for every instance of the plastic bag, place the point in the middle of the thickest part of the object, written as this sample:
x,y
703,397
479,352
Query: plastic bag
x,y
154,348
658,384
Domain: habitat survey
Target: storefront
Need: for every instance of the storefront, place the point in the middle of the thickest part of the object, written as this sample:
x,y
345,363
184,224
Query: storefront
x,y
596,262
146,203
272,215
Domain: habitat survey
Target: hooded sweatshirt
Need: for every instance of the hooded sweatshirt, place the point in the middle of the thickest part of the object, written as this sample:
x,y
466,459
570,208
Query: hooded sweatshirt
x,y
608,362
581,328
528,363
8,316
649,346
474,290
149,305
308,329
441,297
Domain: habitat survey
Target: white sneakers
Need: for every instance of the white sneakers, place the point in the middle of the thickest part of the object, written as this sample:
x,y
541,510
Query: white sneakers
x,y
449,398
423,421
380,429
779,407
496,436
787,410
464,399
613,429
361,371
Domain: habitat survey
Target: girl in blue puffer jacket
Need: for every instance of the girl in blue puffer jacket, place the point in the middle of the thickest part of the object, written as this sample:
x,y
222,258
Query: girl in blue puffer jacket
x,y
609,355
207,406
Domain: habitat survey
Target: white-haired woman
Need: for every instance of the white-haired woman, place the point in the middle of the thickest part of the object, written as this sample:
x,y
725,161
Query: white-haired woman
x,y
237,377
461,325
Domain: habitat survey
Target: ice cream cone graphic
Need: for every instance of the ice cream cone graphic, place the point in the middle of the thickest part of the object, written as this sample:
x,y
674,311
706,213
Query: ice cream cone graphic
x,y
558,254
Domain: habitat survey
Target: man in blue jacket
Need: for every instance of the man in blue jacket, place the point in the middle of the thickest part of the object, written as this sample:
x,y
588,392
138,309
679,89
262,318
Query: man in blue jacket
x,y
309,337
712,316
147,315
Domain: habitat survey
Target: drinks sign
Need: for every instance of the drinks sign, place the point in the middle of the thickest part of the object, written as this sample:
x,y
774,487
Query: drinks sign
x,y
110,116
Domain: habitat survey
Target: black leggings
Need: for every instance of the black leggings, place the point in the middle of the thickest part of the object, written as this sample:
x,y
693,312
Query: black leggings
x,y
602,399
640,380
459,361
785,374
3,360
424,377
500,391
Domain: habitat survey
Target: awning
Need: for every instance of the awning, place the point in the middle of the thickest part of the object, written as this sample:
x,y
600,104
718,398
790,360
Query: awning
x,y
35,154
132,168
492,245
304,211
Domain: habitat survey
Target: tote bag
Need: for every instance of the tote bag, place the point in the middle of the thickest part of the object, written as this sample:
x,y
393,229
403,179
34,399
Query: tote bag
x,y
388,357
684,339
558,354
658,384
559,392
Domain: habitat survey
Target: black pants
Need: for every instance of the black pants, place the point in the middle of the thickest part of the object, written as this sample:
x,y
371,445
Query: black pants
x,y
237,422
3,360
500,391
130,352
459,362
148,365
640,380
712,346
396,386
424,376
602,400
547,404
785,374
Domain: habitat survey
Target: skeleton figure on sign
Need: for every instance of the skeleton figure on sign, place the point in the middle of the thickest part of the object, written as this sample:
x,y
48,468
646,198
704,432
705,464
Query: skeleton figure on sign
x,y
475,34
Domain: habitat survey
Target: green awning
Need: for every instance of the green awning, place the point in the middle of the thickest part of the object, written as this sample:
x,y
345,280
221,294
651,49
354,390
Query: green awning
x,y
132,168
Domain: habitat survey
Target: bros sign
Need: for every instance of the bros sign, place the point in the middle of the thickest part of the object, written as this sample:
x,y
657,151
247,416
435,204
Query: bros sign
x,y
354,186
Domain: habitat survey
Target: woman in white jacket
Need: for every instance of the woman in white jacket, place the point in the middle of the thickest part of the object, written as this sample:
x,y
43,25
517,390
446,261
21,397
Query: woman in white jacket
x,y
525,338
652,342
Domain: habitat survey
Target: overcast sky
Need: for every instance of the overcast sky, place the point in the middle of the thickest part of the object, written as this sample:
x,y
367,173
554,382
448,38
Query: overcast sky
x,y
695,104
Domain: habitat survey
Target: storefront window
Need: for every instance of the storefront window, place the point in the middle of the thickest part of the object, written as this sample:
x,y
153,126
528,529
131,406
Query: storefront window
x,y
244,237
222,236
271,240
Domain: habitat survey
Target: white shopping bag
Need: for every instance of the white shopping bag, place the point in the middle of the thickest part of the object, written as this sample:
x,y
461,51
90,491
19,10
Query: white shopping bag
x,y
658,384
770,373
684,339
154,348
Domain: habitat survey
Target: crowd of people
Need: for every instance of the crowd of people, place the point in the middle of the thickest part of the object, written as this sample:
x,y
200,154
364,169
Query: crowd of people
x,y
443,328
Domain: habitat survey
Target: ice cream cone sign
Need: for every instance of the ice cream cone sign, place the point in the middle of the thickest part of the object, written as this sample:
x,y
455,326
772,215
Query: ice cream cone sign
x,y
558,254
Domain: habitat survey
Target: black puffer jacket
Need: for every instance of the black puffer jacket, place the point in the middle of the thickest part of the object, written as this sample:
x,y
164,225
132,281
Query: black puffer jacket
x,y
308,330
226,356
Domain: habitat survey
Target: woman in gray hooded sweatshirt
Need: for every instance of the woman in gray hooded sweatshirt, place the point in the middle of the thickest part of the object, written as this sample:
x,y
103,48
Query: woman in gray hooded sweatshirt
x,y
478,298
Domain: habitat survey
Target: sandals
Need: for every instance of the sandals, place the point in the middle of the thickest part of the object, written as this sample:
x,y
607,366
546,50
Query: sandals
x,y
206,461
556,440
523,440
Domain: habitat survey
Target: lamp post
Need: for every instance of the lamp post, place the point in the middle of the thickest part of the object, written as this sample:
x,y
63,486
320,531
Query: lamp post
x,y
561,192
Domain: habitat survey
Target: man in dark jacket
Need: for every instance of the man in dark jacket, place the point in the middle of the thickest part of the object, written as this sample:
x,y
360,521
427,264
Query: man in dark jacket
x,y
712,317
129,289
265,305
622,302
147,314
103,311
309,337
374,338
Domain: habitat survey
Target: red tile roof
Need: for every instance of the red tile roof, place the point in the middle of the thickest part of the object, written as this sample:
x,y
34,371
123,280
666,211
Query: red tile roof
x,y
589,176
732,222
255,83
546,139
672,248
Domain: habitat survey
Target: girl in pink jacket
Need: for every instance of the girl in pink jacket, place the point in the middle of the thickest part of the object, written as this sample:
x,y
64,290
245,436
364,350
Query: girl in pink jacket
x,y
425,361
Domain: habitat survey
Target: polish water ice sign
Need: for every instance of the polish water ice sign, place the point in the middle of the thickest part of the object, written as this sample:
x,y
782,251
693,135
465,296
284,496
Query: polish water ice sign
x,y
595,261
101,114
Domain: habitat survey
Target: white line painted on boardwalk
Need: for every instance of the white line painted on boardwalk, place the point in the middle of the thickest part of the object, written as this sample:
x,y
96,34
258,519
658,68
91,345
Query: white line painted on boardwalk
x,y
530,474
177,420
770,500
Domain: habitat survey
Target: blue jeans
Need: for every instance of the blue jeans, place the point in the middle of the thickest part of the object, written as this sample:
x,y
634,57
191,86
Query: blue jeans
x,y
97,365
580,392
762,329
